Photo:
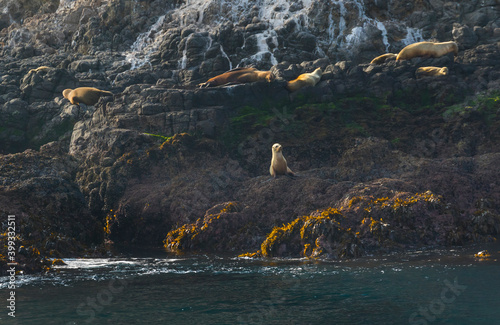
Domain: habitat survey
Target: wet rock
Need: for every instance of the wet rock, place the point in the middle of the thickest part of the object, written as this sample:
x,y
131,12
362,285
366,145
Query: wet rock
x,y
84,65
465,36
45,84
23,52
56,223
372,134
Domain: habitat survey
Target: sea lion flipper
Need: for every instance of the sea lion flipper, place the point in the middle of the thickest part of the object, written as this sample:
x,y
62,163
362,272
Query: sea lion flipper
x,y
232,83
106,93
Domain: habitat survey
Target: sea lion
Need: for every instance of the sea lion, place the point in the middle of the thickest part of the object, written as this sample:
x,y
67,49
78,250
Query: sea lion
x,y
305,79
86,95
382,58
278,162
239,75
431,71
431,49
42,68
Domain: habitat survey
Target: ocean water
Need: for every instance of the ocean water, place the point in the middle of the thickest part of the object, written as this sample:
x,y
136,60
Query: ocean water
x,y
422,287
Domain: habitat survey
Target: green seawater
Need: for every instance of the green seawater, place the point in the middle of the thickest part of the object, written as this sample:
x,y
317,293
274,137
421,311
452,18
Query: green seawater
x,y
422,287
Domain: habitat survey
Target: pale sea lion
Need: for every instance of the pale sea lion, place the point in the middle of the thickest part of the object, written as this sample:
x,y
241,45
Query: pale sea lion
x,y
305,79
86,95
431,49
431,71
239,75
42,68
278,162
382,58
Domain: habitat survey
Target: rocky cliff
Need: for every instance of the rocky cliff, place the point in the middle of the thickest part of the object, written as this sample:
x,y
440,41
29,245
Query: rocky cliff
x,y
385,161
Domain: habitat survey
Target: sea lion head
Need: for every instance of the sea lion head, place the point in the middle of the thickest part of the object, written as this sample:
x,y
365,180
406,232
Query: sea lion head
x,y
277,147
444,70
66,92
454,46
270,77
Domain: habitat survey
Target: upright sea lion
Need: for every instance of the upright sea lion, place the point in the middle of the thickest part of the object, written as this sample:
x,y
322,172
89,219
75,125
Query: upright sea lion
x,y
278,162
305,79
239,75
431,49
86,95
382,58
431,71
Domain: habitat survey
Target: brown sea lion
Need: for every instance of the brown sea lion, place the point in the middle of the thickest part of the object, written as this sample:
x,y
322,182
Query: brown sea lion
x,y
382,58
431,49
86,95
431,71
278,162
305,79
239,75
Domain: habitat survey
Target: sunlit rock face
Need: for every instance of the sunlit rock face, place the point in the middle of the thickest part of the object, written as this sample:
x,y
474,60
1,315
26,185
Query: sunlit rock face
x,y
127,165
215,35
264,33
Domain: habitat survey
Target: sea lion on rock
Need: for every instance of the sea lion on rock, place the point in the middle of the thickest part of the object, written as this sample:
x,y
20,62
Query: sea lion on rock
x,y
305,79
239,75
278,162
42,68
87,95
431,49
431,71
382,58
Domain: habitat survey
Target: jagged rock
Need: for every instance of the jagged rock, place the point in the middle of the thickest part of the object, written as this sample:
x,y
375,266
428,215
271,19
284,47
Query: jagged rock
x,y
56,221
464,36
85,65
366,131
45,84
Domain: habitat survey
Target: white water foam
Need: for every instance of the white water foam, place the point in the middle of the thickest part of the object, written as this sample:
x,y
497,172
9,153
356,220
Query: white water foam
x,y
263,48
202,15
145,44
413,35
224,54
346,29
93,263
385,39
354,38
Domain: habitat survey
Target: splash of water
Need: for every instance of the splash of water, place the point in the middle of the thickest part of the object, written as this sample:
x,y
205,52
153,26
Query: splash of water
x,y
263,47
342,23
385,39
224,54
276,13
349,25
353,33
354,38
183,60
413,35
145,44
